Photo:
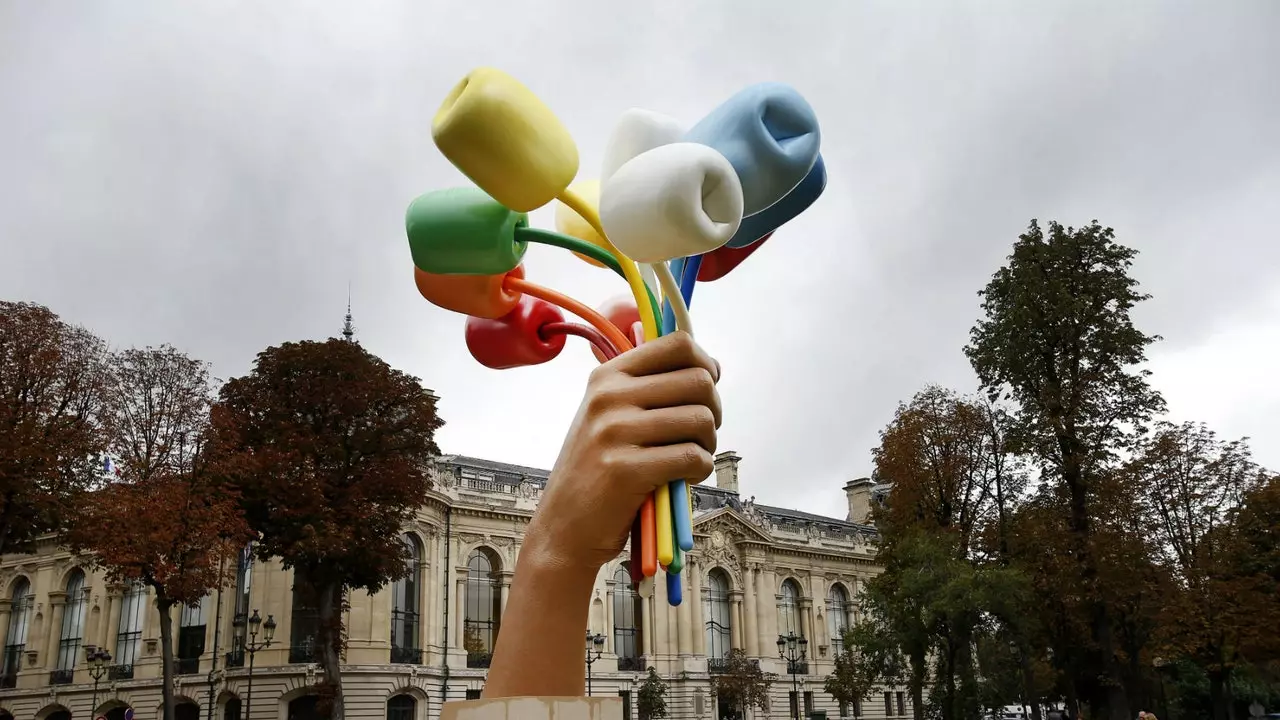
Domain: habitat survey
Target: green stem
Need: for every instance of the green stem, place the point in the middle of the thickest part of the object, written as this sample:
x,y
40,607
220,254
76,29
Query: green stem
x,y
582,247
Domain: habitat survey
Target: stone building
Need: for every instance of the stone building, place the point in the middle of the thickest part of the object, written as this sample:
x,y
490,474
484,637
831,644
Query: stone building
x,y
757,572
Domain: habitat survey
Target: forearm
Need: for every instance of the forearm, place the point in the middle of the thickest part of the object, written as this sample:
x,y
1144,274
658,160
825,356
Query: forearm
x,y
540,648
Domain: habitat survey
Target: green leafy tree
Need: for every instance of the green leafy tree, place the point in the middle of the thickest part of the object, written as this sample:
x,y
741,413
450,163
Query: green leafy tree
x,y
651,697
328,448
1057,340
742,684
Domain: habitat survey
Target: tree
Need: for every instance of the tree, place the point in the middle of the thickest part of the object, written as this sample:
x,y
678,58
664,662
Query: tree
x,y
163,523
1058,341
869,657
742,684
50,398
1192,484
328,448
651,697
1254,557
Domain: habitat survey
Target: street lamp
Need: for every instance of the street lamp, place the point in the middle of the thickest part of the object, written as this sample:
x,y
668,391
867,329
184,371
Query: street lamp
x,y
251,644
595,648
99,665
792,649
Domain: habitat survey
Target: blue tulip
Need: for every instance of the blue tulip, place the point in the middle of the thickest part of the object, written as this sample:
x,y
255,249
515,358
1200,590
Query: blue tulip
x,y
785,210
770,135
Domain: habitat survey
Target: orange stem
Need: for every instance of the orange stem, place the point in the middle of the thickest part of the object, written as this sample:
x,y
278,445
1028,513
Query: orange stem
x,y
606,328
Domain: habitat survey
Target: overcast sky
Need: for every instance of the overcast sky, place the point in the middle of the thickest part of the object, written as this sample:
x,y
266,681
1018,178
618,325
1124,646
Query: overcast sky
x,y
214,174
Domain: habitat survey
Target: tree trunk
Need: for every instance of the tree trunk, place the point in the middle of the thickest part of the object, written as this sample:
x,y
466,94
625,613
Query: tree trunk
x,y
165,606
1218,696
1028,681
918,672
330,640
949,709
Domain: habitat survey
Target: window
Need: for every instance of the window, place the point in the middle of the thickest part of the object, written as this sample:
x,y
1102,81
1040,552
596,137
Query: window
x,y
304,625
902,710
244,578
793,703
837,599
789,610
404,610
133,607
401,707
231,711
888,704
16,642
473,694
191,632
480,628
719,625
72,629
626,621
626,699
808,703
187,711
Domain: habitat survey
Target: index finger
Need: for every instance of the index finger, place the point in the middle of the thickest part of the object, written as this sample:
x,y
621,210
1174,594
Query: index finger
x,y
669,353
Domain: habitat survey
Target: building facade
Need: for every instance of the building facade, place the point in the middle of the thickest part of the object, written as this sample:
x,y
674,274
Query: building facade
x,y
756,573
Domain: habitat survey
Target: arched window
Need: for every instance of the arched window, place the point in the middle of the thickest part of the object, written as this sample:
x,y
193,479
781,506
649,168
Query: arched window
x,y
72,628
404,609
303,708
837,599
401,707
244,579
16,639
187,711
719,624
191,632
231,711
789,610
480,629
133,607
626,621
304,625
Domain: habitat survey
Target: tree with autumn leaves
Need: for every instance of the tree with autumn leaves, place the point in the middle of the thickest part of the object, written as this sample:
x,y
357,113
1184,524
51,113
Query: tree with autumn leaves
x,y
162,521
328,449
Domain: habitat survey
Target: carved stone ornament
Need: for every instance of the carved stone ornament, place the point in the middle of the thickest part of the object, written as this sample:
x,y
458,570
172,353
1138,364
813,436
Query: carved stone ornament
x,y
526,489
470,538
500,541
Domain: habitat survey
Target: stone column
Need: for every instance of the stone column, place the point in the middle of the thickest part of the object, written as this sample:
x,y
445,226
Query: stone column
x,y
460,602
768,601
684,614
806,622
735,619
111,619
608,616
751,618
53,631
504,592
698,622
646,627
6,608
427,592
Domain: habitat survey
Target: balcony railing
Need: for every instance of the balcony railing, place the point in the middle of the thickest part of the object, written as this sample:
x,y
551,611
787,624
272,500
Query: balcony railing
x,y
406,656
62,677
631,664
797,667
479,660
121,672
188,666
235,658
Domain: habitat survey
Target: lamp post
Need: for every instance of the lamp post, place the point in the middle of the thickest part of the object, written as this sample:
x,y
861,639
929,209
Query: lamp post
x,y
792,649
595,648
99,665
252,646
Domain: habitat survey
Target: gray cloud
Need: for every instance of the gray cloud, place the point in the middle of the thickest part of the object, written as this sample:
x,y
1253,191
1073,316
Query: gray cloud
x,y
214,174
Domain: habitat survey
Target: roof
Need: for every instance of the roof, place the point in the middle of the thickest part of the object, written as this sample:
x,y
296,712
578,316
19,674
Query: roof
x,y
502,472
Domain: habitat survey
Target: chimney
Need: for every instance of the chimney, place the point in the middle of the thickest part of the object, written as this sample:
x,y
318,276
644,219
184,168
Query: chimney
x,y
727,470
859,493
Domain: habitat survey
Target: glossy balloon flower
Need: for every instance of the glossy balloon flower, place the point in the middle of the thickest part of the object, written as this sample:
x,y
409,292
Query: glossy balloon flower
x,y
514,340
482,296
637,131
621,311
775,216
499,134
571,223
721,261
675,200
462,231
770,135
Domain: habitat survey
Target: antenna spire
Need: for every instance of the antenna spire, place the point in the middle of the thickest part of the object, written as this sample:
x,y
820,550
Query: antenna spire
x,y
348,330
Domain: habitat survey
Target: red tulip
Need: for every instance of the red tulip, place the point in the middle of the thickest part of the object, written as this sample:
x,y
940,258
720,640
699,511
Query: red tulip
x,y
622,312
514,340
719,262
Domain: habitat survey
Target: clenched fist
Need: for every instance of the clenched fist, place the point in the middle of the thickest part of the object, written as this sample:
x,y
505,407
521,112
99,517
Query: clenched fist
x,y
648,417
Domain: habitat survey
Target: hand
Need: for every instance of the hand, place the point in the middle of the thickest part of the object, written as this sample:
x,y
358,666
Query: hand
x,y
648,417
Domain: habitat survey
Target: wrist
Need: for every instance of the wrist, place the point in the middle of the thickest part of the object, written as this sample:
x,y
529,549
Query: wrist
x,y
544,555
